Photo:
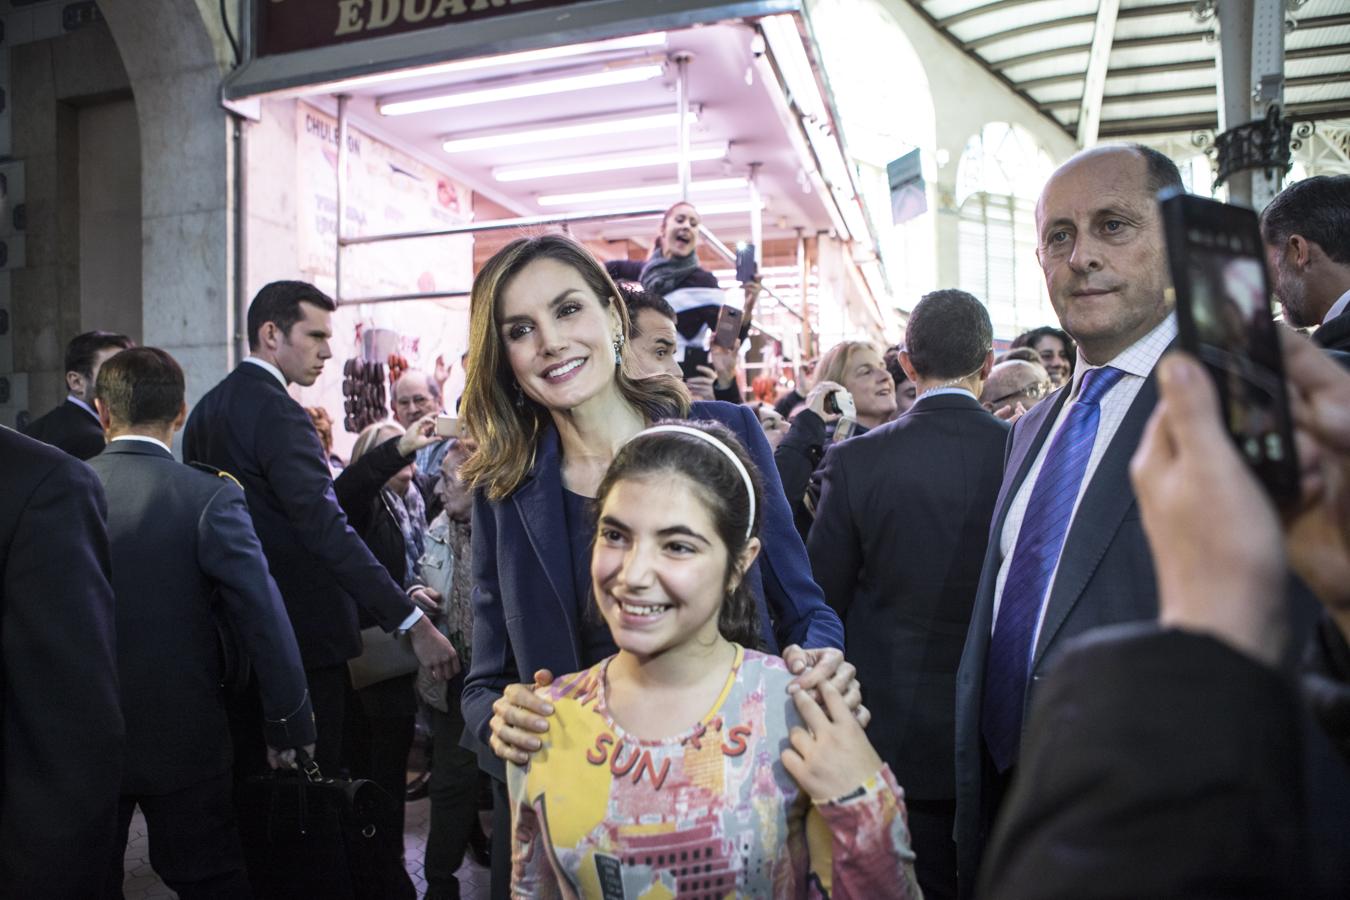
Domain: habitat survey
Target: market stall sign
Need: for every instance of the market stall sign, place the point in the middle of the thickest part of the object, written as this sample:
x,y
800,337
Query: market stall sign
x,y
284,26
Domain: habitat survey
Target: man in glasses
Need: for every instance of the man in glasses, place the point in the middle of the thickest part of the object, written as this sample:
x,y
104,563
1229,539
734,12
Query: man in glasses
x,y
1014,387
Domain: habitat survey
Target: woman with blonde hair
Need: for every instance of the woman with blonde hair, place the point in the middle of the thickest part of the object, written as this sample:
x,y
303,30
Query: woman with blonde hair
x,y
857,369
550,400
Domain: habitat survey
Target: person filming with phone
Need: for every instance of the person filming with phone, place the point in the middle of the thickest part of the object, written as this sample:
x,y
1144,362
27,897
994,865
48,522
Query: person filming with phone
x,y
704,321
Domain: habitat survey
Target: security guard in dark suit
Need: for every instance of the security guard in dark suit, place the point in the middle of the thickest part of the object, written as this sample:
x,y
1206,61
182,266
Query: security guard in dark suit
x,y
186,564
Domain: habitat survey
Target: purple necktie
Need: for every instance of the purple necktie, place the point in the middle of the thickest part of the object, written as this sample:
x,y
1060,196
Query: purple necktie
x,y
1034,560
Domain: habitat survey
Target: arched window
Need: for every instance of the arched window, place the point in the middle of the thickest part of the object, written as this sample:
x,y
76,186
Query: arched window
x,y
883,117
1000,176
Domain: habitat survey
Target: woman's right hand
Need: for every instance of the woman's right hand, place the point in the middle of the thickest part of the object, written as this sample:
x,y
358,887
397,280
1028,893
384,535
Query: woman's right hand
x,y
815,401
421,434
517,716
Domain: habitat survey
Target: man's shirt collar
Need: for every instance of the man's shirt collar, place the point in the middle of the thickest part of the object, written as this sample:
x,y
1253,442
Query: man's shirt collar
x,y
71,398
1140,358
267,366
1337,308
141,437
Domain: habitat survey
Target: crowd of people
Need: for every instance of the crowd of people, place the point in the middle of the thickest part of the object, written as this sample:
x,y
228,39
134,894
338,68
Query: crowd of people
x,y
938,621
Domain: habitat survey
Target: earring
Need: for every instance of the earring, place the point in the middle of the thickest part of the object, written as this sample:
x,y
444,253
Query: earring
x,y
520,397
618,349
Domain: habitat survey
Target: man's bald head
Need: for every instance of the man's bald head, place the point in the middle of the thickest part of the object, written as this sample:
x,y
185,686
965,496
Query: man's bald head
x,y
416,395
1015,381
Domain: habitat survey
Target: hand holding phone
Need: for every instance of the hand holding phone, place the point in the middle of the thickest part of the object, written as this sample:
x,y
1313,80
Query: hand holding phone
x,y
447,426
1226,320
728,332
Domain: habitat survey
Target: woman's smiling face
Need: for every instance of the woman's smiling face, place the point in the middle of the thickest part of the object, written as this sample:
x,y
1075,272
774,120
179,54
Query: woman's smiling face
x,y
558,335
679,230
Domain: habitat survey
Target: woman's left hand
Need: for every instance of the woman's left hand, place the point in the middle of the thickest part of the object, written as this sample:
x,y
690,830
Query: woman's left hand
x,y
831,757
814,668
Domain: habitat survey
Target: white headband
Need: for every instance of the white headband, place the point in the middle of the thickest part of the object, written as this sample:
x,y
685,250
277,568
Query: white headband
x,y
725,450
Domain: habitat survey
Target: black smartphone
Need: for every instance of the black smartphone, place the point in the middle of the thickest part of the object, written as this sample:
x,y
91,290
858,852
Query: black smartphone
x,y
1226,320
746,267
728,331
693,358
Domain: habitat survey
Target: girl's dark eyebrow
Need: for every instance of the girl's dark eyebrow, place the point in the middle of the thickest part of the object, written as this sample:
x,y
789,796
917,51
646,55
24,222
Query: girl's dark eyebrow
x,y
684,530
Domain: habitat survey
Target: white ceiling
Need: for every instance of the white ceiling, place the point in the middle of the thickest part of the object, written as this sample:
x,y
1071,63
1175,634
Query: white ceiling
x,y
747,116
1161,72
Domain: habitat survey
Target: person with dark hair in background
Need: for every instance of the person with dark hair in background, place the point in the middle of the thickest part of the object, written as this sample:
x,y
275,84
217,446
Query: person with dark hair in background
x,y
179,539
905,391
652,340
61,716
1306,230
73,426
250,426
855,368
1055,348
1066,552
1168,759
1013,387
673,274
897,546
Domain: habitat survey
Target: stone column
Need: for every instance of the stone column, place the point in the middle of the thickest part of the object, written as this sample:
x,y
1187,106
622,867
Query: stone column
x,y
175,54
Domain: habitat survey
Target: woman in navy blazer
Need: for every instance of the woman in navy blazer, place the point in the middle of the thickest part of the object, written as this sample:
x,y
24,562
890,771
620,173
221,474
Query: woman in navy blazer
x,y
549,401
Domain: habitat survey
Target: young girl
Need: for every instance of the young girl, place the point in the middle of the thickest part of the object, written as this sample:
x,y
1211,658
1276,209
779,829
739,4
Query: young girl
x,y
682,766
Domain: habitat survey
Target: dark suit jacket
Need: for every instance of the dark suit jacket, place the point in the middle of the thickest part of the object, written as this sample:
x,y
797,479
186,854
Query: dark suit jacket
x,y
250,427
1105,577
62,735
897,546
524,597
1157,764
1335,335
71,428
177,536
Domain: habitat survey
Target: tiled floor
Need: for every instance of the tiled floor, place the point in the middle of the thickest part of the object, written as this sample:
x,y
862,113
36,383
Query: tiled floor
x,y
141,882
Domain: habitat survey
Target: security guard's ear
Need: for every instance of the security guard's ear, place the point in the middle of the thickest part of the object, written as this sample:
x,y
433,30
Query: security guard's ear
x,y
104,417
179,419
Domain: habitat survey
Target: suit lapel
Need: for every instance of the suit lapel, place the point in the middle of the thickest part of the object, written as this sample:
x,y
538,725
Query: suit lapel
x,y
1105,502
539,503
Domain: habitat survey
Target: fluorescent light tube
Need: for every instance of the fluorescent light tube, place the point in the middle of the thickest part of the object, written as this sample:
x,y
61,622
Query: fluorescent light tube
x,y
521,89
625,123
601,163
647,190
632,42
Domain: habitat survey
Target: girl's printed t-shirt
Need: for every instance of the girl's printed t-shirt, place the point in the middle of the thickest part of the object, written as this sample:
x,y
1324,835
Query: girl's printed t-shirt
x,y
709,813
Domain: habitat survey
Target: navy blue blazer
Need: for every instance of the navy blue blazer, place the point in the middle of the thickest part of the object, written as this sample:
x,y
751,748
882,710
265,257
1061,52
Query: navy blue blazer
x,y
61,766
181,538
249,426
1105,577
524,599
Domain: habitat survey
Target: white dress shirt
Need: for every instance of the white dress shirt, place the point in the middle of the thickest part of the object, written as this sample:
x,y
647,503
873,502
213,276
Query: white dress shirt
x,y
1136,361
267,367
1337,308
141,437
938,392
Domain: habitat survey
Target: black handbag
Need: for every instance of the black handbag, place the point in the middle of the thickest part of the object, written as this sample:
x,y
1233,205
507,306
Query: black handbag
x,y
305,835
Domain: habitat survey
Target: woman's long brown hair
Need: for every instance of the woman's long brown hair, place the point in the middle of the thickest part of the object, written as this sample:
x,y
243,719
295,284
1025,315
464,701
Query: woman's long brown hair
x,y
507,435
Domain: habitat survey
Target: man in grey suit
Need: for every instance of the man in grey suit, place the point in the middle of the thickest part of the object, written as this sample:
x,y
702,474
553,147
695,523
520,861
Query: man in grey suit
x,y
185,558
1066,551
